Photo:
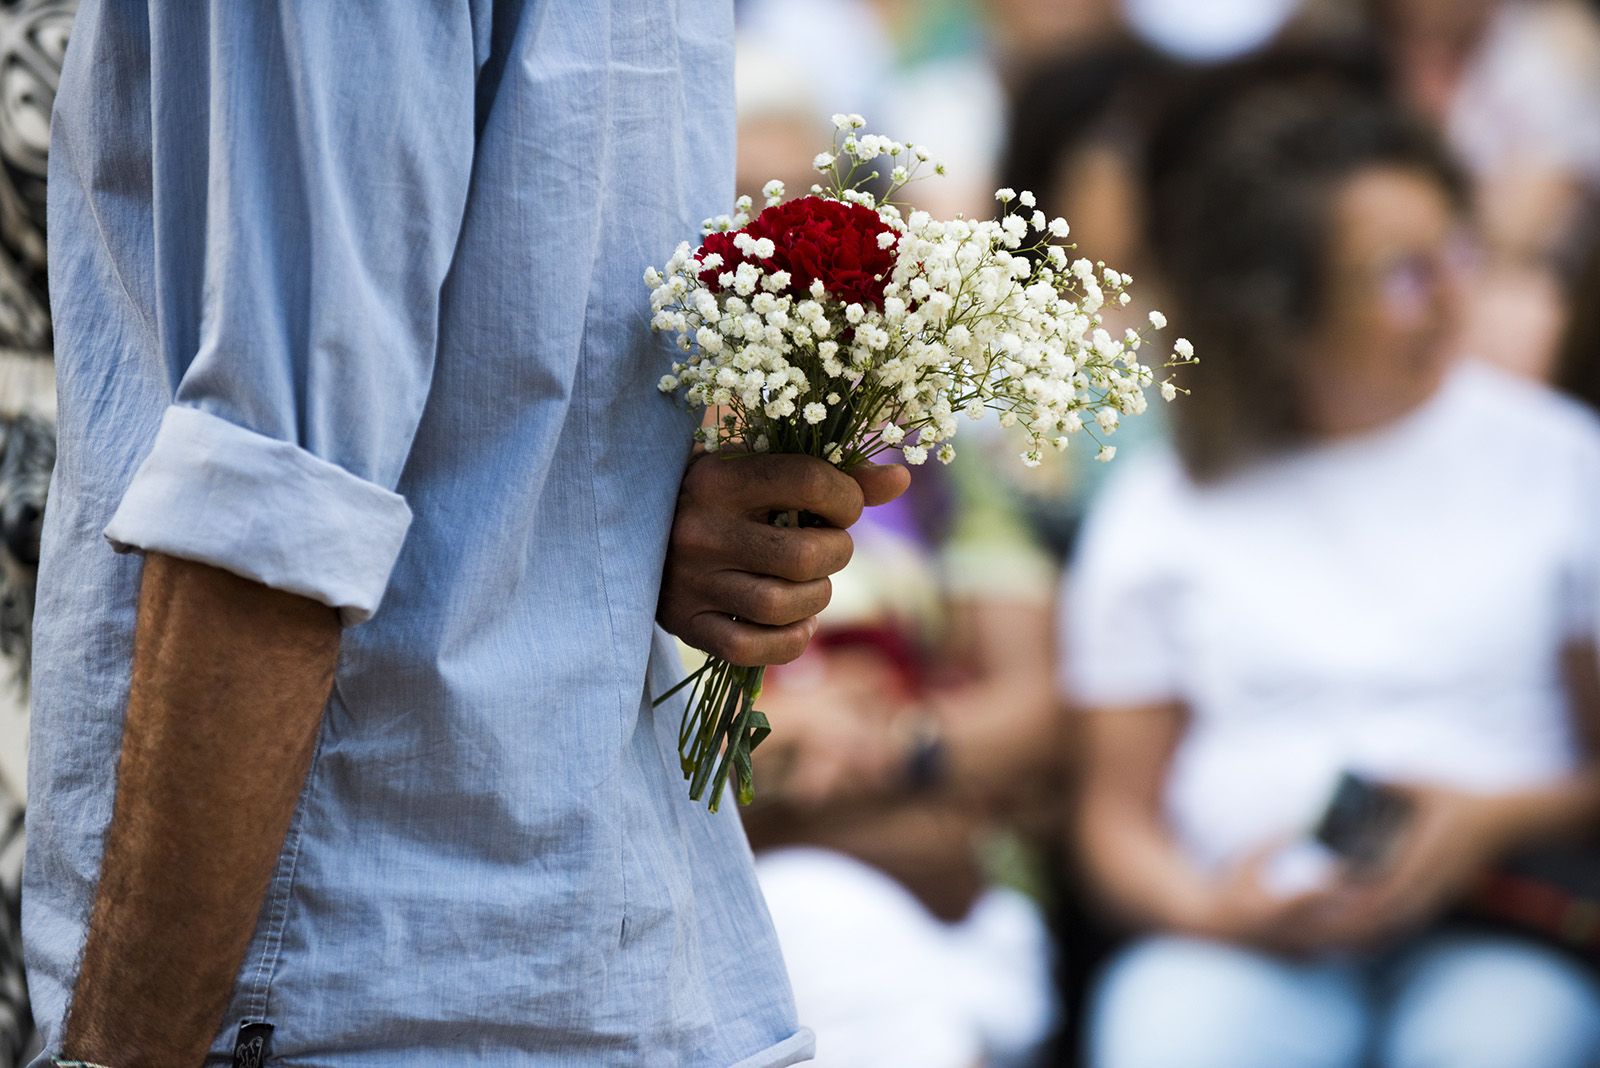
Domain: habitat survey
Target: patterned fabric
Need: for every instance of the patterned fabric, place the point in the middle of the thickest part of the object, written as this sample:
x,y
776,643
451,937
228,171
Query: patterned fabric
x,y
16,1020
27,453
33,42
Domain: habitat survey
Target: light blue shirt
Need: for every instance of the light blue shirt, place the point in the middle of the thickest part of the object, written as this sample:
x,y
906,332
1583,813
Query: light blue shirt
x,y
348,300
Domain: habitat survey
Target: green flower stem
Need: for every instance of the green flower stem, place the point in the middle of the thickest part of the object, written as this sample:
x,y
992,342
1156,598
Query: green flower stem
x,y
721,728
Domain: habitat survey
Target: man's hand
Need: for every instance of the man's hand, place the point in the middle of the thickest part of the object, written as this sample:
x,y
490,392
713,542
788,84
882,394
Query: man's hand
x,y
742,589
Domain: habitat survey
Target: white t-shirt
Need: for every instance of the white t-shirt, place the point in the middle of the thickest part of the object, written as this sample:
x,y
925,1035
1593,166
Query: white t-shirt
x,y
1394,604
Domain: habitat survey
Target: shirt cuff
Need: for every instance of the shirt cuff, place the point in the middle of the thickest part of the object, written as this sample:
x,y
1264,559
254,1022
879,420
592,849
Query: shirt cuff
x,y
264,509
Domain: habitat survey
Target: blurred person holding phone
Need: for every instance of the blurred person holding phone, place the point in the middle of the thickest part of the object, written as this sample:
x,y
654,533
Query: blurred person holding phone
x,y
1362,573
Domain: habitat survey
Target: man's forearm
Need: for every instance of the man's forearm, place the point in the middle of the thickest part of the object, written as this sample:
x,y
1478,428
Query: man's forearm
x,y
229,682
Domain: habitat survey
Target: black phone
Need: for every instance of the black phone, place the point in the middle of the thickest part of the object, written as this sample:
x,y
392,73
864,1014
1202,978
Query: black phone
x,y
1362,821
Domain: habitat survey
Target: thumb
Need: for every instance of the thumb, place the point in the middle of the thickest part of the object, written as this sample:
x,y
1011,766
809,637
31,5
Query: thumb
x,y
880,483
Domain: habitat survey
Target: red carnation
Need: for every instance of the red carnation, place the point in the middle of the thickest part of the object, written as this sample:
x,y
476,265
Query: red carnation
x,y
814,238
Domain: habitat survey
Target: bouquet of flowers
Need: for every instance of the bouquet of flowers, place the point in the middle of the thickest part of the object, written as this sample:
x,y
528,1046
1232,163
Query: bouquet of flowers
x,y
842,326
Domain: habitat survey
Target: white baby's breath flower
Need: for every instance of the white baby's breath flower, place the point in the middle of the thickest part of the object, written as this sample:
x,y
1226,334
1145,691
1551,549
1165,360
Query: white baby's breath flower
x,y
964,315
1106,454
773,191
1184,348
1005,194
1158,320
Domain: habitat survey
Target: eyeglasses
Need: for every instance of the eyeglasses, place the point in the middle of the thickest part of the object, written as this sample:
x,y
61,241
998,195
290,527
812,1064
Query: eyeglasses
x,y
1406,282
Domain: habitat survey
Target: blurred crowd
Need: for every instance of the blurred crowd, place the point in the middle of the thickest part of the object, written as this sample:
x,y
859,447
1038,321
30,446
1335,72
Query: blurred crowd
x,y
1273,741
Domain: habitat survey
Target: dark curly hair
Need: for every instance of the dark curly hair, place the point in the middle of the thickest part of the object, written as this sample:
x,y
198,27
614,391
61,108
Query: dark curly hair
x,y
1240,177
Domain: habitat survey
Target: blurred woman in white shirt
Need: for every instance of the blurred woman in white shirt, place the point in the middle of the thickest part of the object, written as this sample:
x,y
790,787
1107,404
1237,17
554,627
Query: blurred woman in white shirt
x,y
1359,557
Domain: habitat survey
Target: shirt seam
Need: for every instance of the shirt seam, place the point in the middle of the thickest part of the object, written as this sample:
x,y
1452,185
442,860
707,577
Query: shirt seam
x,y
151,336
586,413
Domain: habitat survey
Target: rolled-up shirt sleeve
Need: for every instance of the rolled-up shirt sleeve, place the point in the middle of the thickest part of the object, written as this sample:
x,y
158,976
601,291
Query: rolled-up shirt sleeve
x,y
314,158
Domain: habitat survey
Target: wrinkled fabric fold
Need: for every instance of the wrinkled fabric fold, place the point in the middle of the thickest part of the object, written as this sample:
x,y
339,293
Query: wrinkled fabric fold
x,y
264,509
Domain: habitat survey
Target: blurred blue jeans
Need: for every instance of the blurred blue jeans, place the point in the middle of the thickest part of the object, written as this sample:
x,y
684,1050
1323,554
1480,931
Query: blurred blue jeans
x,y
1449,1000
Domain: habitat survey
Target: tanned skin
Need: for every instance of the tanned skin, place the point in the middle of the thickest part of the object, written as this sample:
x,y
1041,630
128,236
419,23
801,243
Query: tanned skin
x,y
229,683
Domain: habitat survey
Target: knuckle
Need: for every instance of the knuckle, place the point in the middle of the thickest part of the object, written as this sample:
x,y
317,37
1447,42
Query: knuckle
x,y
710,478
697,477
814,481
850,502
809,559
773,603
790,647
744,648
779,554
693,535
